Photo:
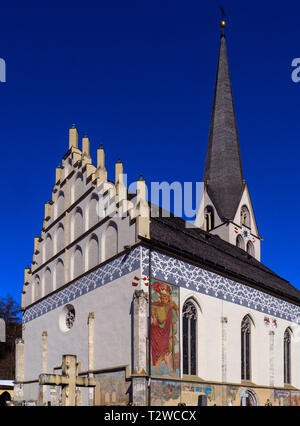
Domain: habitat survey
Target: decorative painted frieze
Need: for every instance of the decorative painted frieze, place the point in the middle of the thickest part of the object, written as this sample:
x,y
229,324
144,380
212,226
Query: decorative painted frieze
x,y
107,273
171,270
194,278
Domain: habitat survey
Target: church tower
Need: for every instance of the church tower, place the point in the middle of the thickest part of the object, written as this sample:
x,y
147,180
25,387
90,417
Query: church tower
x,y
226,208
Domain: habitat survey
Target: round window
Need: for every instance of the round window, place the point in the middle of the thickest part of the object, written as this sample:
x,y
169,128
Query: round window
x,y
67,318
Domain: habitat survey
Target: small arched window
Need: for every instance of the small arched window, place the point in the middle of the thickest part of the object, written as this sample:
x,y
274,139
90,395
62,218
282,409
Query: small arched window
x,y
240,242
246,348
250,248
189,331
209,219
287,357
245,217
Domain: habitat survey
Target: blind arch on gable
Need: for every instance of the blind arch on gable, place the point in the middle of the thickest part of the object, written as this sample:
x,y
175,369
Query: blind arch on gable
x,y
77,263
92,216
77,187
47,281
110,241
92,256
77,224
59,277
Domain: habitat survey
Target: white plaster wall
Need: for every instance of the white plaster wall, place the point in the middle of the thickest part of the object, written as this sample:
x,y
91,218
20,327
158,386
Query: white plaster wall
x,y
209,335
222,231
112,307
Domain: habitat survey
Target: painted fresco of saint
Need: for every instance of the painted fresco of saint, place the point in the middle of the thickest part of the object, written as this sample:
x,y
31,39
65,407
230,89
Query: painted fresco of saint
x,y
164,313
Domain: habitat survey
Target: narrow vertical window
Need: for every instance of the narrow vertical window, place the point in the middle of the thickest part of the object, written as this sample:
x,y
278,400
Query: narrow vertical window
x,y
209,220
245,217
246,348
240,242
250,249
189,329
287,357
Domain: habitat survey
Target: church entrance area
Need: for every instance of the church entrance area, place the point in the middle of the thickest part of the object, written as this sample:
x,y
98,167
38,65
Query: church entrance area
x,y
5,398
248,399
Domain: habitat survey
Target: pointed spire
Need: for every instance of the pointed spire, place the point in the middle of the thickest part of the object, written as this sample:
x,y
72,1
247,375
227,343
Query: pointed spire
x,y
223,174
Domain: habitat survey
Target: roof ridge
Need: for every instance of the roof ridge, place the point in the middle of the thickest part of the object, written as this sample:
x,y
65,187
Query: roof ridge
x,y
216,238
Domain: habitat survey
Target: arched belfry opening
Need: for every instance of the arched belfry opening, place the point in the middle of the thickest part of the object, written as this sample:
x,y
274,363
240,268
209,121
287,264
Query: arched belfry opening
x,y
245,217
250,249
240,242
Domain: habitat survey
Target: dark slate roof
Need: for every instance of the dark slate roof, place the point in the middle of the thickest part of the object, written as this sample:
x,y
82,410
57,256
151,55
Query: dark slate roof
x,y
223,174
211,251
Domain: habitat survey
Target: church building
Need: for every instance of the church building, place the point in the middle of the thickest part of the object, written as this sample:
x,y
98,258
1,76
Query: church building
x,y
124,307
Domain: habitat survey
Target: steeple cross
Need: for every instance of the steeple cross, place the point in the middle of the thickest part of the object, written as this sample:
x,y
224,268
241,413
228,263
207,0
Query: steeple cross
x,y
68,380
223,23
223,12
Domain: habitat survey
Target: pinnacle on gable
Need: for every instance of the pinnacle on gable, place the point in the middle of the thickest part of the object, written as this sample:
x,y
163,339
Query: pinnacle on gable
x,y
86,145
119,172
73,137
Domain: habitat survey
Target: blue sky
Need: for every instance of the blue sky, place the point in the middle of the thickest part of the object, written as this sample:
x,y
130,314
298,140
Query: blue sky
x,y
138,76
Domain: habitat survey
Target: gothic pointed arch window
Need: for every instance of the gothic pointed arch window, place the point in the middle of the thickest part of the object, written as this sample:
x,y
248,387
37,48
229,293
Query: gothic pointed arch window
x,y
287,356
246,348
189,332
245,217
209,219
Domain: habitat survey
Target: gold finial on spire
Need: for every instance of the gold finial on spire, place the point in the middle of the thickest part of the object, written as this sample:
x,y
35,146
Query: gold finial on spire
x,y
223,22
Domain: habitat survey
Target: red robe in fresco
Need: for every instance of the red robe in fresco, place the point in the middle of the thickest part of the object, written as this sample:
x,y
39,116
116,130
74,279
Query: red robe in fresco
x,y
160,336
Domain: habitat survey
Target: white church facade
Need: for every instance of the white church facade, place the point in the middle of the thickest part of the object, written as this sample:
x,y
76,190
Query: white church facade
x,y
155,312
